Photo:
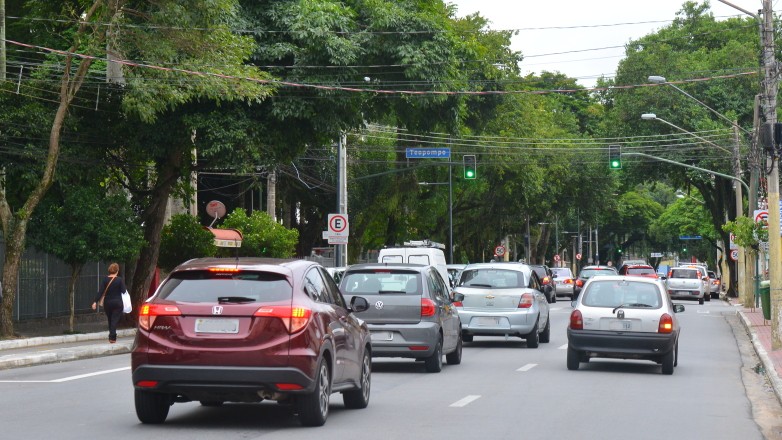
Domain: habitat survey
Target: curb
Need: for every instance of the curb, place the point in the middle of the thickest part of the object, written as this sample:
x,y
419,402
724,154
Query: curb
x,y
66,354
64,339
771,371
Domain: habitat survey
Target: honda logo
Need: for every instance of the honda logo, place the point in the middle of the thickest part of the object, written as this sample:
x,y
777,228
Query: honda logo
x,y
217,310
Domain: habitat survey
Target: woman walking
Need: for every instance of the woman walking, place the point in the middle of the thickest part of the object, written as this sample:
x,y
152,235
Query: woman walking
x,y
110,297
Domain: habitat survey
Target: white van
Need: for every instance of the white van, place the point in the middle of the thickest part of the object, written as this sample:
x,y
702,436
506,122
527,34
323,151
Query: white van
x,y
418,252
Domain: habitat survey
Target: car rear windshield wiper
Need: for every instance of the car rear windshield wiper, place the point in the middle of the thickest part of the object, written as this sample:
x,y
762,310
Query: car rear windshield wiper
x,y
621,306
234,299
391,291
477,285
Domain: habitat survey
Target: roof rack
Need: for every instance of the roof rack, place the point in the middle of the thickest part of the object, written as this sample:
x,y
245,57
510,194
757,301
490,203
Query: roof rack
x,y
424,243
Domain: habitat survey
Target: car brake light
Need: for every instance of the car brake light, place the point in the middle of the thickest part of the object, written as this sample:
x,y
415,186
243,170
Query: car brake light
x,y
147,383
716,281
149,312
666,324
568,281
427,307
288,386
294,318
576,320
546,280
580,283
526,301
224,269
457,304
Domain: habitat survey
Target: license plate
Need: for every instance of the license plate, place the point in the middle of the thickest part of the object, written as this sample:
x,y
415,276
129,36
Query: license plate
x,y
211,325
487,321
621,325
382,336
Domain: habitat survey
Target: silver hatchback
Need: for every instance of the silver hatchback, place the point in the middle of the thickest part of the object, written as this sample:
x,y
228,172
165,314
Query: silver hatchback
x,y
501,299
410,315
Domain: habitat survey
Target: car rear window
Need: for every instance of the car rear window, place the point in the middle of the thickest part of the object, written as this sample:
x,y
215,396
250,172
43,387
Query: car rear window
x,y
641,271
684,273
587,273
566,273
208,286
624,293
382,281
492,278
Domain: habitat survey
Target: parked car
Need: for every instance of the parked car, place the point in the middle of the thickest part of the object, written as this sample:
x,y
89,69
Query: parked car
x,y
499,299
454,270
715,283
687,283
588,272
563,282
625,317
641,270
412,317
247,330
546,277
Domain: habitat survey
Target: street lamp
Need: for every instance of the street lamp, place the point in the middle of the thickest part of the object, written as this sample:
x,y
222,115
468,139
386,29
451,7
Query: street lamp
x,y
653,117
682,195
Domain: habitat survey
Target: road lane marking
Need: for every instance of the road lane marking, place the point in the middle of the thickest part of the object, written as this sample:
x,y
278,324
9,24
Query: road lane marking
x,y
464,402
527,367
70,378
562,347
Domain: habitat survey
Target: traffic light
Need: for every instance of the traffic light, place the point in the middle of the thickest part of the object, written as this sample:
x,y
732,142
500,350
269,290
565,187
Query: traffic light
x,y
615,157
470,166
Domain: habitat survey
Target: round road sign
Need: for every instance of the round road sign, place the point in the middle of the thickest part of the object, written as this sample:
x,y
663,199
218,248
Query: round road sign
x,y
338,223
578,256
556,257
499,251
734,254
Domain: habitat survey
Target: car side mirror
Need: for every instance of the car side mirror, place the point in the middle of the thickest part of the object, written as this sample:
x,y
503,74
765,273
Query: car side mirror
x,y
458,297
553,275
573,303
678,308
359,304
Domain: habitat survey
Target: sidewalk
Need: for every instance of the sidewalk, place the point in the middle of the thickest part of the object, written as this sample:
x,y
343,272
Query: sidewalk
x,y
760,332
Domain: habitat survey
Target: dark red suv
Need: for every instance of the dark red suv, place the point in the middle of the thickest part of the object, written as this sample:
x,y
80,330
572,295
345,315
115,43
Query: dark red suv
x,y
247,330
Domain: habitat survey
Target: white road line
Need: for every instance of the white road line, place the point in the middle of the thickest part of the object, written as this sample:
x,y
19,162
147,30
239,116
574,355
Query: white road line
x,y
562,347
68,379
527,367
464,402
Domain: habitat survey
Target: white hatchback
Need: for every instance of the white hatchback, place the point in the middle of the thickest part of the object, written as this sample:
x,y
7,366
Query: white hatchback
x,y
624,317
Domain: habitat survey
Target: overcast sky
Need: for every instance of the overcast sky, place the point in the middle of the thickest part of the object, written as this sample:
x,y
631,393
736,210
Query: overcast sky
x,y
542,35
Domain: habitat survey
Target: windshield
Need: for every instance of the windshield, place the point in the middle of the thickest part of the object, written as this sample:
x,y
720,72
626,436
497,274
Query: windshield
x,y
641,271
586,273
370,282
684,273
562,273
492,278
207,286
623,293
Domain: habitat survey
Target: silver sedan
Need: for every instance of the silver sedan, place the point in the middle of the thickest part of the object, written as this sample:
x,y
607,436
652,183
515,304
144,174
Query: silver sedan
x,y
503,299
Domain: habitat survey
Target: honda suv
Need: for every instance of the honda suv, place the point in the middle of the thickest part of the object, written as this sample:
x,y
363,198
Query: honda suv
x,y
247,330
413,316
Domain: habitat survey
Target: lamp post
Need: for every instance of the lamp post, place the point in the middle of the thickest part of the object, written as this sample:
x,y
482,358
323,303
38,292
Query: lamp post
x,y
741,266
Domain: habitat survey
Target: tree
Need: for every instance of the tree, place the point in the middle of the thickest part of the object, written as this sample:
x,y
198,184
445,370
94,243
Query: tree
x,y
261,236
182,239
84,224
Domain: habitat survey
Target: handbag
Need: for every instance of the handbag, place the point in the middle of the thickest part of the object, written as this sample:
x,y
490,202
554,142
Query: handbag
x,y
127,305
100,302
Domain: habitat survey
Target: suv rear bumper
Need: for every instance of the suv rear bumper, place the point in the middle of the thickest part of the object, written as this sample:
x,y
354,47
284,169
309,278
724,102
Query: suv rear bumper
x,y
404,336
214,380
623,345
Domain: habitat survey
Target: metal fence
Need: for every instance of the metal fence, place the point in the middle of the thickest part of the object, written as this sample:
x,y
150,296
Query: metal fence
x,y
42,289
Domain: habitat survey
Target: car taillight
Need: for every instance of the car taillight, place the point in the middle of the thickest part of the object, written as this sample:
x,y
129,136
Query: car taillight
x,y
546,280
717,282
576,320
568,281
526,301
294,318
427,307
149,312
580,283
666,324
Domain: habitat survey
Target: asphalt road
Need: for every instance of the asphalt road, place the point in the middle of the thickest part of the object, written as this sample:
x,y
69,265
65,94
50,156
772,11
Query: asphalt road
x,y
502,390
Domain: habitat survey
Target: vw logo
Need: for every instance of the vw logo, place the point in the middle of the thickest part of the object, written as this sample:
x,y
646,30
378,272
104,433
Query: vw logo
x,y
379,305
217,310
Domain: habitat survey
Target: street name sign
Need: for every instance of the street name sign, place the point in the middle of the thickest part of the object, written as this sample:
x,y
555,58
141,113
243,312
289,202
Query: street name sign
x,y
428,153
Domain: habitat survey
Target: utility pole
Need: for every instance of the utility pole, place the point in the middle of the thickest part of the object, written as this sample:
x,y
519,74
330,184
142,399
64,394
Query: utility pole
x,y
341,250
2,41
743,284
770,84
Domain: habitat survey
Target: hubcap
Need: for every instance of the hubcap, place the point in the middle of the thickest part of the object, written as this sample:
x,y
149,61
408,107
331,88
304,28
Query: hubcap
x,y
324,389
365,371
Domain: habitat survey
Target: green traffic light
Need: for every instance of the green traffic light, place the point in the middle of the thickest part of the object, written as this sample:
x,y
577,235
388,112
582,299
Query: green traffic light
x,y
469,174
615,164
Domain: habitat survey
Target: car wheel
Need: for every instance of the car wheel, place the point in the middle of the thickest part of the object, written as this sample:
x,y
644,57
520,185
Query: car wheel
x,y
533,338
553,297
151,408
676,355
708,296
434,363
700,301
455,357
359,398
466,337
545,336
314,407
668,362
572,359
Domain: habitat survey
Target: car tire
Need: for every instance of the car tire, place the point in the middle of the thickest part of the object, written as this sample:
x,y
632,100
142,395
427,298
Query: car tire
x,y
314,407
455,357
545,335
434,363
466,337
151,407
533,338
708,296
359,398
668,360
700,301
573,358
676,355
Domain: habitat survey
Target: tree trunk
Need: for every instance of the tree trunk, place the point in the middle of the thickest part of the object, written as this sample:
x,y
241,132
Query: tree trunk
x,y
13,257
75,271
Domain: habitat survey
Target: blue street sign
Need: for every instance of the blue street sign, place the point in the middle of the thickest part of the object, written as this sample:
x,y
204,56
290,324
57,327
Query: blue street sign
x,y
690,237
428,153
